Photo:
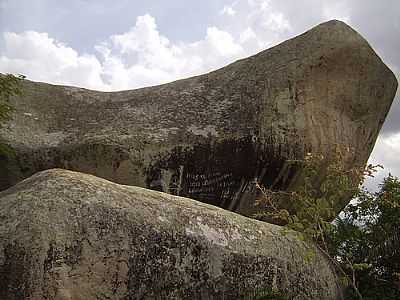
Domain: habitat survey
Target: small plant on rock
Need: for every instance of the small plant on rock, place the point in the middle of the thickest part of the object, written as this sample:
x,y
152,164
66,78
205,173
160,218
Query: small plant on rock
x,y
9,86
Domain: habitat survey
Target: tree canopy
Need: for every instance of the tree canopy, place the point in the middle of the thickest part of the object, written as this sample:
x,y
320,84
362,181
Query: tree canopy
x,y
366,241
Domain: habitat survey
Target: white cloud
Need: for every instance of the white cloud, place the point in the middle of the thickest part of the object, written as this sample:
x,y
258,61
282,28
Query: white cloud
x,y
42,58
222,43
338,10
260,4
267,16
247,34
266,24
228,10
276,21
250,41
142,56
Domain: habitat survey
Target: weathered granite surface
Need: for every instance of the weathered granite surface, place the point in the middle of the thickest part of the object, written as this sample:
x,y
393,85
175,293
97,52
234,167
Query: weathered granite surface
x,y
67,235
209,137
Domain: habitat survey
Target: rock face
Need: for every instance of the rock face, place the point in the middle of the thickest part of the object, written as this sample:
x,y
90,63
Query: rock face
x,y
209,137
67,235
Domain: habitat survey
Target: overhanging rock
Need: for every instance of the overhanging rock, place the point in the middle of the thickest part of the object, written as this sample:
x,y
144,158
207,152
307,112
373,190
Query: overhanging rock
x,y
209,137
67,235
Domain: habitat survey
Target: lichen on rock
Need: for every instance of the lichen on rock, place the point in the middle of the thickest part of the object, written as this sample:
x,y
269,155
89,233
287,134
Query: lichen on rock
x,y
68,235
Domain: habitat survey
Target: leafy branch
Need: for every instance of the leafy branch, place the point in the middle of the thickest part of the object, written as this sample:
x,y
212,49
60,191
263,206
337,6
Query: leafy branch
x,y
315,202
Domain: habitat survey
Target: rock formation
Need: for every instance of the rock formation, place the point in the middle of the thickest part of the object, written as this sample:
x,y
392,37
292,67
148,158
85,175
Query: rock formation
x,y
210,137
67,235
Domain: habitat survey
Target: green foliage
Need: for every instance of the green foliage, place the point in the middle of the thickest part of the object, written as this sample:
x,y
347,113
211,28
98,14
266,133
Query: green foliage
x,y
367,235
364,241
315,200
9,86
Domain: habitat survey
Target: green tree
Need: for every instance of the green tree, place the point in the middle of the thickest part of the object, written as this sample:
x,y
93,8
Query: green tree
x,y
364,241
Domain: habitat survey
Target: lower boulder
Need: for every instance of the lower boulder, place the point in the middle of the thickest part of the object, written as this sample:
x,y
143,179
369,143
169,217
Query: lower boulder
x,y
67,235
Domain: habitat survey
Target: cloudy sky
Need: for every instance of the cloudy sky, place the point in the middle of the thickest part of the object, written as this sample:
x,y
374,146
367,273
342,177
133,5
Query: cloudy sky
x,y
125,44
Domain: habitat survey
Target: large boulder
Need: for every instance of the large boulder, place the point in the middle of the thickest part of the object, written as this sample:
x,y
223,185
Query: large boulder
x,y
66,235
210,137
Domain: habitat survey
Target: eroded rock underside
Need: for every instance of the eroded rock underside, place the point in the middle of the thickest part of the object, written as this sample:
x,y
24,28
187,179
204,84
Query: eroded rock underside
x,y
67,235
210,137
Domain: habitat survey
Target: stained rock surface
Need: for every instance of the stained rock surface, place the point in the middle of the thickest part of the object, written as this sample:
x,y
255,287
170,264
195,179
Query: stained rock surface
x,y
67,235
210,137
